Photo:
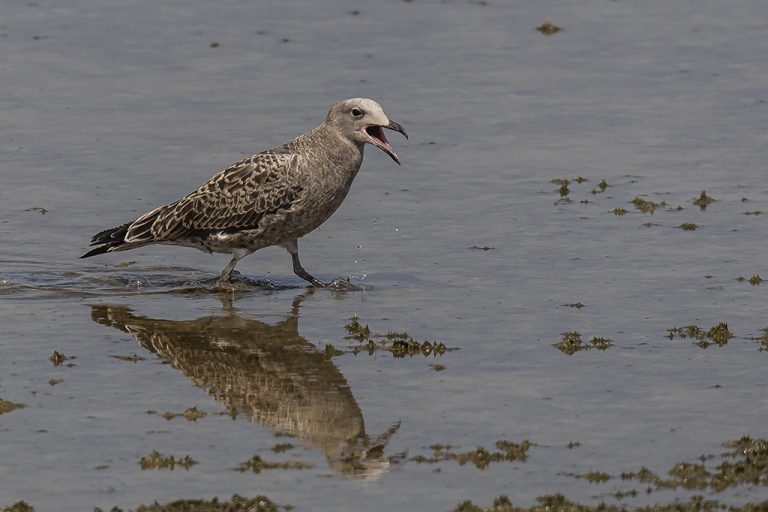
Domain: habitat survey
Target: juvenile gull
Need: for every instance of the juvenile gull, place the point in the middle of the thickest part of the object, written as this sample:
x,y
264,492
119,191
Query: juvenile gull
x,y
272,198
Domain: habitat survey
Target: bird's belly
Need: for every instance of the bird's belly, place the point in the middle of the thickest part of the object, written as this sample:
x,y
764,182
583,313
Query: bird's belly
x,y
276,229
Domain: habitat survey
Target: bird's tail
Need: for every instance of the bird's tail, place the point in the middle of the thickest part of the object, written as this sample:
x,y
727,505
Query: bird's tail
x,y
109,240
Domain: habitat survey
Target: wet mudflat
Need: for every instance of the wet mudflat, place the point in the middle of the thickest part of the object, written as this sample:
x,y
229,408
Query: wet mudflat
x,y
563,281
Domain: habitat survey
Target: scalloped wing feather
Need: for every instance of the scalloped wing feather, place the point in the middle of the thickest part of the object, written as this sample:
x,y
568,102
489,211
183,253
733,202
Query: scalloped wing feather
x,y
236,198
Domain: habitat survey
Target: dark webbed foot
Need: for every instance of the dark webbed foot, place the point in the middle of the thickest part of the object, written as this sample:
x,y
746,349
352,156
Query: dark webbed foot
x,y
299,270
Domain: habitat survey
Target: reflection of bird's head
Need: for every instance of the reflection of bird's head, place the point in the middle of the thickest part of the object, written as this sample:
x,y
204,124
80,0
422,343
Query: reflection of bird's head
x,y
267,372
365,460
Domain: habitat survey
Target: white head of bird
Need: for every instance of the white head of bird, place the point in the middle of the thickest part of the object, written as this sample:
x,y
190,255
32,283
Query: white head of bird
x,y
361,120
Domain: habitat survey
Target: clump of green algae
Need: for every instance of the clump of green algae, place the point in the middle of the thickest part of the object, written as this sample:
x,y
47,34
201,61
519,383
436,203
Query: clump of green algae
x,y
597,477
745,464
234,504
718,334
191,414
282,447
559,503
689,226
563,182
601,186
548,29
8,406
156,460
400,344
703,200
19,506
506,451
57,358
646,205
256,465
571,343
763,339
133,358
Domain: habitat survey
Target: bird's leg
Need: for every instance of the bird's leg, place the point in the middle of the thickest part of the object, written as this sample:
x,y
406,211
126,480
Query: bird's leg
x,y
226,274
299,271
293,249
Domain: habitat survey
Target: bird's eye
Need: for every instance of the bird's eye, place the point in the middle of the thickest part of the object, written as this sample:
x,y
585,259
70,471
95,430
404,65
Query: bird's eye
x,y
356,112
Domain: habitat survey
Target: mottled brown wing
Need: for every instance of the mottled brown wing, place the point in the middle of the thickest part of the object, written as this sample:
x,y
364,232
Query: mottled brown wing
x,y
236,198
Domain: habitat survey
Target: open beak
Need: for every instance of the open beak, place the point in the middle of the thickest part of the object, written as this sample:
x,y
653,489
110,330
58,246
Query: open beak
x,y
379,140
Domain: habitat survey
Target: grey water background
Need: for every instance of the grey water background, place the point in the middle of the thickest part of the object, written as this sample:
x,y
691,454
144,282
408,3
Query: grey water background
x,y
110,109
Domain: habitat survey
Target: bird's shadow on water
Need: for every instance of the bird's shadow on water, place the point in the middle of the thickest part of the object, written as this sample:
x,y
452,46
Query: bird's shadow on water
x,y
267,373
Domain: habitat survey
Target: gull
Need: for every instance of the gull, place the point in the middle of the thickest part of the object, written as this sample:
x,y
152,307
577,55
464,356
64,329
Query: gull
x,y
272,198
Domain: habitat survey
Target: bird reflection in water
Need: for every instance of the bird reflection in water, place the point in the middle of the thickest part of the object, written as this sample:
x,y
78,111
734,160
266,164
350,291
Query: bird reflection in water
x,y
269,373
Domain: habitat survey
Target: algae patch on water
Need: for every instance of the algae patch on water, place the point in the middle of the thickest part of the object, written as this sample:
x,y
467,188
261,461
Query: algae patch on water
x,y
571,343
6,406
718,334
548,29
157,460
559,503
755,280
703,200
744,465
481,458
763,339
19,506
600,188
235,504
399,344
593,477
191,414
256,465
563,190
57,358
646,205
688,226
133,358
282,447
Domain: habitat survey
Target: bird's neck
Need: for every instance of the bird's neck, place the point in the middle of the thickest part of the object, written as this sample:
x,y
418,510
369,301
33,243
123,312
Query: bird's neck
x,y
325,144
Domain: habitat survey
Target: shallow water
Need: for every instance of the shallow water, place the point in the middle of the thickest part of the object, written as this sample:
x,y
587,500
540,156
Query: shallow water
x,y
111,110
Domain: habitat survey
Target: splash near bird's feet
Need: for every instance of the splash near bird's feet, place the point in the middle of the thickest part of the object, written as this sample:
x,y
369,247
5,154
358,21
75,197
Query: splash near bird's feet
x,y
343,284
238,281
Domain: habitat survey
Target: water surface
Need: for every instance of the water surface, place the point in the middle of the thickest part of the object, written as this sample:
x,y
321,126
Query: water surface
x,y
112,110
